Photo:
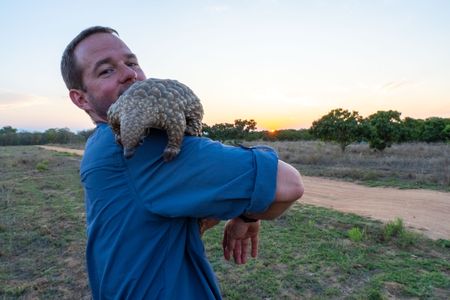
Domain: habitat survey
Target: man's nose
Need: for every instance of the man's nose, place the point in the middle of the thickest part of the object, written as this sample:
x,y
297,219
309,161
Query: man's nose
x,y
128,74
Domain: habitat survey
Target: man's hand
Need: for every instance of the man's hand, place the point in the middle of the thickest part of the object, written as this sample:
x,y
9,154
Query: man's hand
x,y
236,239
206,224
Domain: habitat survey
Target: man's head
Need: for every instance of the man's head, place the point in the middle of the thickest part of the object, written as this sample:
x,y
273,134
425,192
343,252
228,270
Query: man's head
x,y
97,67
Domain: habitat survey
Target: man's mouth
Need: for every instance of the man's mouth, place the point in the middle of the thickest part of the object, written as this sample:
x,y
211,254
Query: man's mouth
x,y
124,90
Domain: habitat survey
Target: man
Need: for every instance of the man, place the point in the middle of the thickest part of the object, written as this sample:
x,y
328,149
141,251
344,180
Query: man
x,y
142,213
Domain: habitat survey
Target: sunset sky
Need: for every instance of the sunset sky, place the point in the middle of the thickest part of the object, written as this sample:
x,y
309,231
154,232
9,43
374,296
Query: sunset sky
x,y
284,63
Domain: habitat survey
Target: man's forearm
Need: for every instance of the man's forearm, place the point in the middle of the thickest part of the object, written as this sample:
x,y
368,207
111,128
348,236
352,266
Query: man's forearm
x,y
275,210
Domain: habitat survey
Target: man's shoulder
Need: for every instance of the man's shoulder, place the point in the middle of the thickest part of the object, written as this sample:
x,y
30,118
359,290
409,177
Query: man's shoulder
x,y
100,146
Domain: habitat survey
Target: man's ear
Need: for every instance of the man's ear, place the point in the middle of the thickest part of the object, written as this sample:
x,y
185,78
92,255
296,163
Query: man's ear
x,y
79,99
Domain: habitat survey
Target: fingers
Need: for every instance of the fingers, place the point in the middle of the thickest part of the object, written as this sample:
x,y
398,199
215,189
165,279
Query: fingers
x,y
255,245
244,251
228,245
237,253
236,248
240,251
226,252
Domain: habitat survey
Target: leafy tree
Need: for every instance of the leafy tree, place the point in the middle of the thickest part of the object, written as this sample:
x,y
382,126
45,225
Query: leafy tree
x,y
287,135
8,136
241,129
434,129
446,132
8,130
85,134
11,136
340,126
411,130
385,127
244,126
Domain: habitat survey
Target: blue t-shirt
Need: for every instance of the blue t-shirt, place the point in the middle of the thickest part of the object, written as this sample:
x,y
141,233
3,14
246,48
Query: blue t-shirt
x,y
142,213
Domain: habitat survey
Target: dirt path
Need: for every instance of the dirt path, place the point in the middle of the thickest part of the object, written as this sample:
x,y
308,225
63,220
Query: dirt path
x,y
61,149
422,210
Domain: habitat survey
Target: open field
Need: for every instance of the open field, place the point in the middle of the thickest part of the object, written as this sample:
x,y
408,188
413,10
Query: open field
x,y
308,253
409,165
41,225
425,211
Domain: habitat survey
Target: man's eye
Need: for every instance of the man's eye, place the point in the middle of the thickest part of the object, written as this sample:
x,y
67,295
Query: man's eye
x,y
105,72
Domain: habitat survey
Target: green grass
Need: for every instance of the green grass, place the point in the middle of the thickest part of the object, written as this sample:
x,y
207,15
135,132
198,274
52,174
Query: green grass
x,y
355,234
393,229
309,253
41,225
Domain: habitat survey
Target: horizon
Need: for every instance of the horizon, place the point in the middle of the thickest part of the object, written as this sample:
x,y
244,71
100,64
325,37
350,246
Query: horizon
x,y
282,63
258,129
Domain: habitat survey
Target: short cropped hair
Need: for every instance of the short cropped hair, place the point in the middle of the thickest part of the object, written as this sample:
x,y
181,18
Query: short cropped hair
x,y
70,71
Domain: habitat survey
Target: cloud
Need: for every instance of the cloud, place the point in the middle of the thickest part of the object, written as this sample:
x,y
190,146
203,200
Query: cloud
x,y
13,100
393,85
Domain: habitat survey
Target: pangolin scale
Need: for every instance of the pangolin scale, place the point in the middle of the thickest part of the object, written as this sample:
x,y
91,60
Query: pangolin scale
x,y
156,103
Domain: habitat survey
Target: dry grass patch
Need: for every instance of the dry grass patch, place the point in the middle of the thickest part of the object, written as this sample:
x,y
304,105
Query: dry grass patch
x,y
409,165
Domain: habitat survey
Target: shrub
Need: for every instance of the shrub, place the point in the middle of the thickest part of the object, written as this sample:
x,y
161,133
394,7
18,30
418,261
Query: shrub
x,y
407,238
42,166
355,234
393,229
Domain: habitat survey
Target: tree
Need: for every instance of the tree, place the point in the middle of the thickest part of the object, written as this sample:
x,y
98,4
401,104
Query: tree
x,y
340,126
411,130
226,131
243,127
434,129
85,134
8,136
287,135
446,132
11,136
385,129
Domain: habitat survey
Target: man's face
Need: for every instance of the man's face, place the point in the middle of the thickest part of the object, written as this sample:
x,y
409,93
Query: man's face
x,y
108,69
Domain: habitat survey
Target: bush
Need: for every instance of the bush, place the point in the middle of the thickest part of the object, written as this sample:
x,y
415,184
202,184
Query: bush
x,y
42,166
393,229
355,234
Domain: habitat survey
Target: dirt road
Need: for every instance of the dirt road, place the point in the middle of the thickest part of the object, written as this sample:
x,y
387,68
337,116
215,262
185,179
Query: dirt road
x,y
67,150
422,210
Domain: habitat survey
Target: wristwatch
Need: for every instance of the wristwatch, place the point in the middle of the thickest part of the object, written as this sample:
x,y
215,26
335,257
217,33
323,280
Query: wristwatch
x,y
247,219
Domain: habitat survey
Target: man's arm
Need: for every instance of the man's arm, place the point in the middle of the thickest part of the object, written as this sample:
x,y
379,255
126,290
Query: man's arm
x,y
289,189
239,236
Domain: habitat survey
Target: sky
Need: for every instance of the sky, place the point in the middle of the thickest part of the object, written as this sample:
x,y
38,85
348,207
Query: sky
x,y
283,63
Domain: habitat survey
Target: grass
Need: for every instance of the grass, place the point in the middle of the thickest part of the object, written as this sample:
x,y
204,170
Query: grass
x,y
41,225
355,234
309,253
393,229
409,165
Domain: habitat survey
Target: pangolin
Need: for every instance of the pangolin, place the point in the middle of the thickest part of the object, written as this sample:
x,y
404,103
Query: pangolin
x,y
155,103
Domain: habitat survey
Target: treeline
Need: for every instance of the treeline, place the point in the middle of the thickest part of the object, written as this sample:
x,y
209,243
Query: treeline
x,y
246,130
11,136
379,130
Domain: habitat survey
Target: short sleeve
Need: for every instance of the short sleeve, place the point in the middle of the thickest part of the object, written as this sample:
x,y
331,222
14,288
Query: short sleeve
x,y
207,179
266,163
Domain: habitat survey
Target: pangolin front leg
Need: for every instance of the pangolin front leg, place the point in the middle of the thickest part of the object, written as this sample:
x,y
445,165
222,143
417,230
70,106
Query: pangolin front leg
x,y
175,137
193,127
131,135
